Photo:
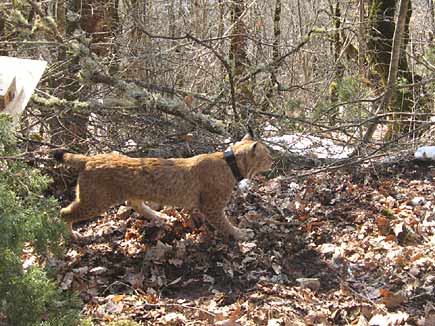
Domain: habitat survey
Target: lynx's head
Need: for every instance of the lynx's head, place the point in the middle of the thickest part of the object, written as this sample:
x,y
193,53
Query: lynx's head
x,y
252,156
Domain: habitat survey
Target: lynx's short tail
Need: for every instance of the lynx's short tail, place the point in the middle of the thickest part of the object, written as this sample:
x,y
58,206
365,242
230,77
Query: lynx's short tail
x,y
74,160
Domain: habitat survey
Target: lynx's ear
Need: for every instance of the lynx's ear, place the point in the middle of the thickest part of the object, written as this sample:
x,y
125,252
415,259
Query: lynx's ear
x,y
248,137
253,148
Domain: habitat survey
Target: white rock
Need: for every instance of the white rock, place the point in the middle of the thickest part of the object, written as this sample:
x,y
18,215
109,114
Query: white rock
x,y
98,270
244,185
416,201
310,283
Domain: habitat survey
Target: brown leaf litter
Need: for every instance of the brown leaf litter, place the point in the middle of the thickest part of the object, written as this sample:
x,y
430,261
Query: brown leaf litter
x,y
330,249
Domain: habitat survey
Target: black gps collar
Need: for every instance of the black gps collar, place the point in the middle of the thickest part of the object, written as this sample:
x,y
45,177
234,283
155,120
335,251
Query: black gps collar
x,y
231,161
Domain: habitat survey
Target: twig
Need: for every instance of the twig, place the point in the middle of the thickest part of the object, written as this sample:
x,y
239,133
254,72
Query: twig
x,y
53,26
366,298
13,158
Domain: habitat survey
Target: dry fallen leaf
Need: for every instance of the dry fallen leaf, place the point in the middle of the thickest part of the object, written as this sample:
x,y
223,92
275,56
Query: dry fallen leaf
x,y
188,99
67,281
392,300
173,319
118,298
390,319
383,225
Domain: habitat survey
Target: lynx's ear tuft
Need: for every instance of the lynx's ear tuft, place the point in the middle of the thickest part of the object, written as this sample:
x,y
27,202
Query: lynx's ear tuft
x,y
249,135
251,132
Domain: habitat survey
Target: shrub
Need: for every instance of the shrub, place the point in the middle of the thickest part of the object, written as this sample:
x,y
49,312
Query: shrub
x,y
28,297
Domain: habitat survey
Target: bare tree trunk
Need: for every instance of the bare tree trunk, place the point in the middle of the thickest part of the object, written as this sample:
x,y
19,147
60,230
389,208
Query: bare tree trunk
x,y
196,13
382,27
399,33
239,59
273,82
381,31
68,129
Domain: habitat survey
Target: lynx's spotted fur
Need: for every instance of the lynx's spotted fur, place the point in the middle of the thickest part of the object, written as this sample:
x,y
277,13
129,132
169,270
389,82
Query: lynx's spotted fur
x,y
204,182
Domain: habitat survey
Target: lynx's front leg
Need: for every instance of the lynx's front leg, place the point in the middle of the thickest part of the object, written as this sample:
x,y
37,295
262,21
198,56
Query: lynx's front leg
x,y
217,218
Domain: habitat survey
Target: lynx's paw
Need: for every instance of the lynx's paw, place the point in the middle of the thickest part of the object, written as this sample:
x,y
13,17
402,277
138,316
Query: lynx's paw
x,y
243,234
159,219
73,237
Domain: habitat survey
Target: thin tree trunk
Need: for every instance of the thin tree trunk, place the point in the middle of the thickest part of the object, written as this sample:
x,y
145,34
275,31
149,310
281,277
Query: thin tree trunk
x,y
361,38
204,18
221,6
3,33
339,69
275,55
276,31
171,16
303,57
432,15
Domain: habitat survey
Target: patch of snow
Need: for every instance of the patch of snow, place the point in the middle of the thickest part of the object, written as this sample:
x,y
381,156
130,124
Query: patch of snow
x,y
309,145
269,127
425,153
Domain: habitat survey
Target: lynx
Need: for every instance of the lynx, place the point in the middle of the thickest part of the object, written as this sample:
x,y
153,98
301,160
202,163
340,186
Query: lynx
x,y
204,182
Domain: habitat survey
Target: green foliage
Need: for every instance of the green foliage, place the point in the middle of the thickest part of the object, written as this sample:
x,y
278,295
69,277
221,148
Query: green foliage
x,y
88,322
342,104
351,88
430,55
28,297
388,212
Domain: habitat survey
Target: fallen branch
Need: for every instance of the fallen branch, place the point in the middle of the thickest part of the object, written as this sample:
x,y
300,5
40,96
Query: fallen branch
x,y
139,98
154,101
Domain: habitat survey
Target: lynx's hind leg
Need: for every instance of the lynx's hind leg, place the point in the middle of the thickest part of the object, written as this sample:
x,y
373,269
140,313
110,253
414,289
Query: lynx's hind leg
x,y
140,207
85,206
81,211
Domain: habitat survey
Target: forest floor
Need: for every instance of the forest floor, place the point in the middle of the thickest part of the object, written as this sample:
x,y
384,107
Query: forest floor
x,y
349,247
